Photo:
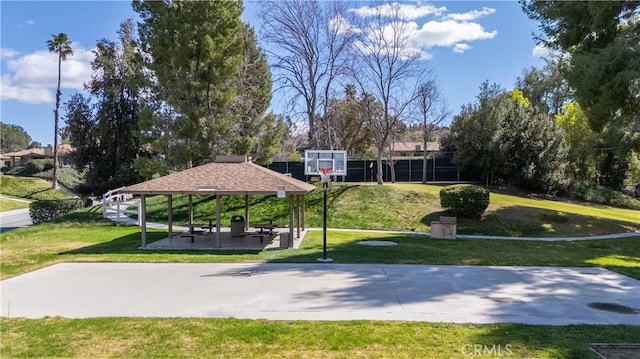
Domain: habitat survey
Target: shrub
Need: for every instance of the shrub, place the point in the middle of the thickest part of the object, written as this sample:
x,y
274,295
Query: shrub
x,y
602,195
36,166
464,200
44,211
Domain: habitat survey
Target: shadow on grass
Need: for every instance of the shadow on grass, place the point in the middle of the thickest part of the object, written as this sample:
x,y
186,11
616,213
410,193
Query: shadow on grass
x,y
130,244
520,221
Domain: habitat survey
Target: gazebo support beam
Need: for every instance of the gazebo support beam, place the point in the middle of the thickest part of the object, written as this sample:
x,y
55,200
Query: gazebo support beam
x,y
190,209
143,221
170,214
217,220
298,215
302,211
290,221
246,212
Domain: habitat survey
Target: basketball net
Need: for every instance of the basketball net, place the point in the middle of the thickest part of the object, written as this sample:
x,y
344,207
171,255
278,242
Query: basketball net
x,y
325,174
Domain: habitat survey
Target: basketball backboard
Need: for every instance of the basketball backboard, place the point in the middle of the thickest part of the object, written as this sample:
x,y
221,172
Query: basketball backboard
x,y
314,160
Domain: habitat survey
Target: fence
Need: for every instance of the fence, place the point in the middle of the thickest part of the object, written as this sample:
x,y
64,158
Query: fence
x,y
440,168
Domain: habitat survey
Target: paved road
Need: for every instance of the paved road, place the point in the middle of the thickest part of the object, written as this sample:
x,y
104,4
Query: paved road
x,y
314,291
14,219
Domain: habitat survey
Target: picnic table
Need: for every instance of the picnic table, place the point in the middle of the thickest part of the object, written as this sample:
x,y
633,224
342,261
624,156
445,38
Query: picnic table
x,y
263,230
192,230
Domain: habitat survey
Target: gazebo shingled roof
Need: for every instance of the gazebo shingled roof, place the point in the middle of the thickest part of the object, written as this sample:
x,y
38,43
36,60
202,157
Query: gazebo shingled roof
x,y
222,178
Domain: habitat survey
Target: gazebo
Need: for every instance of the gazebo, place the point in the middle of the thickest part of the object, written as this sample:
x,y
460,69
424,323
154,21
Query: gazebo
x,y
228,175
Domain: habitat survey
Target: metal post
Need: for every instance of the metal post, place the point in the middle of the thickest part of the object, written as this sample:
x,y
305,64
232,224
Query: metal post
x,y
324,258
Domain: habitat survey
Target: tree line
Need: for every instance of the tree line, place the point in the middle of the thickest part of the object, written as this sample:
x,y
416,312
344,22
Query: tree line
x,y
190,81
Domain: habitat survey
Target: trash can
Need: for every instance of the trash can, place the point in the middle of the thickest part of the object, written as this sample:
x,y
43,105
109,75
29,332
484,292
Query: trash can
x,y
237,226
284,240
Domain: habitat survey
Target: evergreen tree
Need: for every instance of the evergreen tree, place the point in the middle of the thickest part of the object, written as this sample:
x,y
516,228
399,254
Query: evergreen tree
x,y
105,132
196,50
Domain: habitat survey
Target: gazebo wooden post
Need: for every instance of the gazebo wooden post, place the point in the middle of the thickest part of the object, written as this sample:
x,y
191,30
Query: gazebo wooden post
x,y
170,214
190,209
290,221
143,221
246,212
217,220
298,216
302,210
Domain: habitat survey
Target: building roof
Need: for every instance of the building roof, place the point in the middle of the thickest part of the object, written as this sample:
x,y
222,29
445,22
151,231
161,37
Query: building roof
x,y
222,178
62,149
415,146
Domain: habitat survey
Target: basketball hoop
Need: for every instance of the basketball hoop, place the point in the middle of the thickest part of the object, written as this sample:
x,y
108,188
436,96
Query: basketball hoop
x,y
325,174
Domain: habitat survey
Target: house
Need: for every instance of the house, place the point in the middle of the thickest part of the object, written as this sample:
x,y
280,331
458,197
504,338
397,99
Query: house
x,y
413,149
21,158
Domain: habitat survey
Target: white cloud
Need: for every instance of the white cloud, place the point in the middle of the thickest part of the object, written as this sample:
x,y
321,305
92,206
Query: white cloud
x,y
32,78
471,15
29,22
541,51
453,30
342,26
461,48
7,53
406,11
448,33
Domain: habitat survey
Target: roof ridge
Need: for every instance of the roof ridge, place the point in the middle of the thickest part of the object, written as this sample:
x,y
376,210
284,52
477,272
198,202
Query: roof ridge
x,y
292,181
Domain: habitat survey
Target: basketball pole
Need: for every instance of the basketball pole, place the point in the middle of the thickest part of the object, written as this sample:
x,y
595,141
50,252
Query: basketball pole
x,y
324,259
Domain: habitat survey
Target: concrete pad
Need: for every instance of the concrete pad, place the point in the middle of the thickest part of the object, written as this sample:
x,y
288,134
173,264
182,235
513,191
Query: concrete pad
x,y
313,291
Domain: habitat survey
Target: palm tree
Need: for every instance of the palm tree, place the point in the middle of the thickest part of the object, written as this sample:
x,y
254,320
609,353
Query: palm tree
x,y
61,45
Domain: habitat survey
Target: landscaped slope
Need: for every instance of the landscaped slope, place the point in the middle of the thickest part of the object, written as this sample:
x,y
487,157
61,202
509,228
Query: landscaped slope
x,y
412,207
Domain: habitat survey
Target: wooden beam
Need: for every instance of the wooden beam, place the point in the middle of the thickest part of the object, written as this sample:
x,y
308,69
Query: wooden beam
x,y
170,214
190,209
217,220
290,221
297,216
246,212
302,212
143,221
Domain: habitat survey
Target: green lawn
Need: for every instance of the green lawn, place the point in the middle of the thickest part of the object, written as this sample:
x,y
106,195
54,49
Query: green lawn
x,y
29,188
412,207
85,236
232,338
7,204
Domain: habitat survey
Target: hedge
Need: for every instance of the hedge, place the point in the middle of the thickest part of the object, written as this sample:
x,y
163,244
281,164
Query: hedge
x,y
39,165
44,211
464,200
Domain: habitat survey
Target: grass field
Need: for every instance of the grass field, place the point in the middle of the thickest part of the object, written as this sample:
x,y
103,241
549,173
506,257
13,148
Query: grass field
x,y
29,188
9,204
232,338
86,237
412,207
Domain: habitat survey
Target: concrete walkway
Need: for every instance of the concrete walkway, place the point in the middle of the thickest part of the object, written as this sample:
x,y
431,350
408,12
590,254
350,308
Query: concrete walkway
x,y
314,291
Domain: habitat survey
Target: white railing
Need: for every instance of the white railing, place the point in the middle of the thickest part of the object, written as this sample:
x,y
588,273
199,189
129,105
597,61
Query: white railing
x,y
116,197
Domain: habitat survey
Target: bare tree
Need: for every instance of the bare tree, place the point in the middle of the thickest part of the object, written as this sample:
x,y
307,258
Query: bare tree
x,y
390,64
309,43
432,111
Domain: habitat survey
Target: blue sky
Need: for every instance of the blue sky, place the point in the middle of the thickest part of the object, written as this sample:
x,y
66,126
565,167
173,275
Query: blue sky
x,y
467,42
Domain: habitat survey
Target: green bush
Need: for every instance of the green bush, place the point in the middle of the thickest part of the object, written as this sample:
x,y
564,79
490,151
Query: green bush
x,y
36,166
602,195
14,171
44,211
464,200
